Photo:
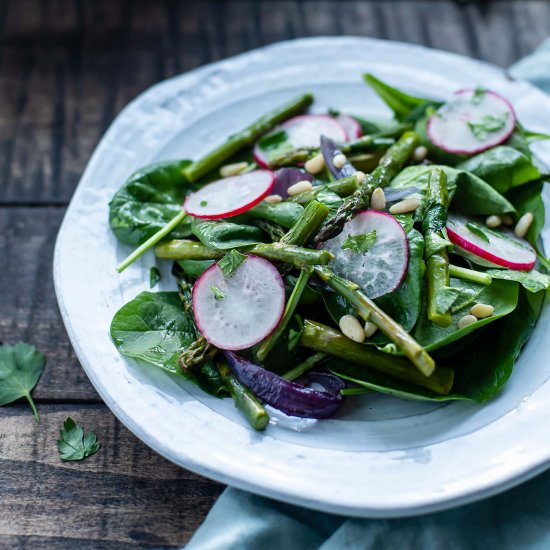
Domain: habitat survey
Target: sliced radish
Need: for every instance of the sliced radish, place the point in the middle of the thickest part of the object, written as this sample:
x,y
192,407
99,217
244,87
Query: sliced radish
x,y
230,196
473,121
302,132
383,267
237,312
504,249
350,125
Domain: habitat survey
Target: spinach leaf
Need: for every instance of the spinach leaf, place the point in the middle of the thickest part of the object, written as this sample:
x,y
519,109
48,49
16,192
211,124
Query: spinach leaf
x,y
528,198
360,243
154,276
502,295
501,167
21,366
273,139
154,329
223,235
148,200
285,213
75,443
533,281
193,269
330,199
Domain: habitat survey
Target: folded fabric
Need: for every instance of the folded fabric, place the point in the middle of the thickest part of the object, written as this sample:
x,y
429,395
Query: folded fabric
x,y
517,519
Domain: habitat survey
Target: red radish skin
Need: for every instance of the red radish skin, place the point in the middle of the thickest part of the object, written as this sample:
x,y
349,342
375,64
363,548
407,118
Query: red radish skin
x,y
442,132
383,267
350,125
252,308
478,251
304,131
230,196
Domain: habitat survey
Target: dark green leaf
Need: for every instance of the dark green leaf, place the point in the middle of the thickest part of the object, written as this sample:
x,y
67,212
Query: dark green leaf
x,y
154,276
75,444
284,213
476,230
231,262
528,198
533,280
360,243
294,334
445,299
21,366
193,269
330,199
273,140
223,235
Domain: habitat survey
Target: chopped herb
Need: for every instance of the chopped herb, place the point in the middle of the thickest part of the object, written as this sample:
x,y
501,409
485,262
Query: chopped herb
x,y
75,444
231,262
533,280
218,294
154,276
445,299
406,221
294,334
478,96
273,140
488,125
203,203
476,230
360,243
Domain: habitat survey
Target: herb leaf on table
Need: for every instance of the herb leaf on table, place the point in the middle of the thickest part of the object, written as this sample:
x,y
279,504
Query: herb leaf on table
x,y
75,443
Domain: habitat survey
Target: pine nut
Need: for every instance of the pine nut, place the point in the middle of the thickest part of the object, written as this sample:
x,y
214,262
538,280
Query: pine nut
x,y
339,160
466,320
407,205
378,199
507,219
233,169
299,187
482,310
352,328
420,153
273,199
370,329
523,225
315,164
359,176
493,221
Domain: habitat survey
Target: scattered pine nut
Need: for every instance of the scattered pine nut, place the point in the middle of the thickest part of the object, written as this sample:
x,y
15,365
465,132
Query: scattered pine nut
x,y
352,328
493,221
507,219
370,329
299,187
378,199
229,170
523,225
466,320
339,160
407,205
420,153
273,199
481,311
315,165
359,176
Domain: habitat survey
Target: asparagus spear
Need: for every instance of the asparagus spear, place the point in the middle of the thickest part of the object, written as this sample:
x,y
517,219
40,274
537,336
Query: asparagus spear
x,y
183,249
369,311
321,338
274,230
390,164
306,365
436,243
246,137
470,275
307,224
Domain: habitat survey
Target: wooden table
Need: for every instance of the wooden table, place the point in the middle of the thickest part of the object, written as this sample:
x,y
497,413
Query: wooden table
x,y
66,70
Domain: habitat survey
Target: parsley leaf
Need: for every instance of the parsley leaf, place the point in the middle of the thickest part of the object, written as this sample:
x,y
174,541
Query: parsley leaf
x,y
21,366
218,294
154,276
231,262
273,140
476,230
360,243
75,444
479,94
487,125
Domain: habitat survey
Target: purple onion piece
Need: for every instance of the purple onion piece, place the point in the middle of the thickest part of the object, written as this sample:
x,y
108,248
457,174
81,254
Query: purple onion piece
x,y
329,381
285,177
395,195
329,149
289,397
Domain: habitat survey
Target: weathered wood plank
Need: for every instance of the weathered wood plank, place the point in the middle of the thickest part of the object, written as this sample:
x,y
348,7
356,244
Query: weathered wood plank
x,y
124,495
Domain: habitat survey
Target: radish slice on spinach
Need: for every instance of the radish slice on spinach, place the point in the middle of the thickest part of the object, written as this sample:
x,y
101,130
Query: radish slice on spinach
x,y
330,150
486,247
373,251
285,177
350,125
230,196
239,311
301,132
289,397
473,121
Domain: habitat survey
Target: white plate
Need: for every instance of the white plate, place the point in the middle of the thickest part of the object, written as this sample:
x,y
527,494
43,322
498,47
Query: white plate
x,y
380,456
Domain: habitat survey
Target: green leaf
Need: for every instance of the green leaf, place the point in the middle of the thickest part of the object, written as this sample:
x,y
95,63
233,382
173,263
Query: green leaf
x,y
445,299
476,230
231,262
273,140
501,167
223,235
406,221
154,329
284,213
294,334
528,198
154,276
330,199
488,124
21,366
193,269
149,199
360,243
533,281
75,443
218,294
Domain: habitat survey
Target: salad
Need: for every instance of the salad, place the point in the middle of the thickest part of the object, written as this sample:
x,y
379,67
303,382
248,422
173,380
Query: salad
x,y
321,256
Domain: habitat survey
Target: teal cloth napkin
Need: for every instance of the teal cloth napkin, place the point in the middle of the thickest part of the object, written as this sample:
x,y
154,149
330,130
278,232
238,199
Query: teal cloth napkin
x,y
517,519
